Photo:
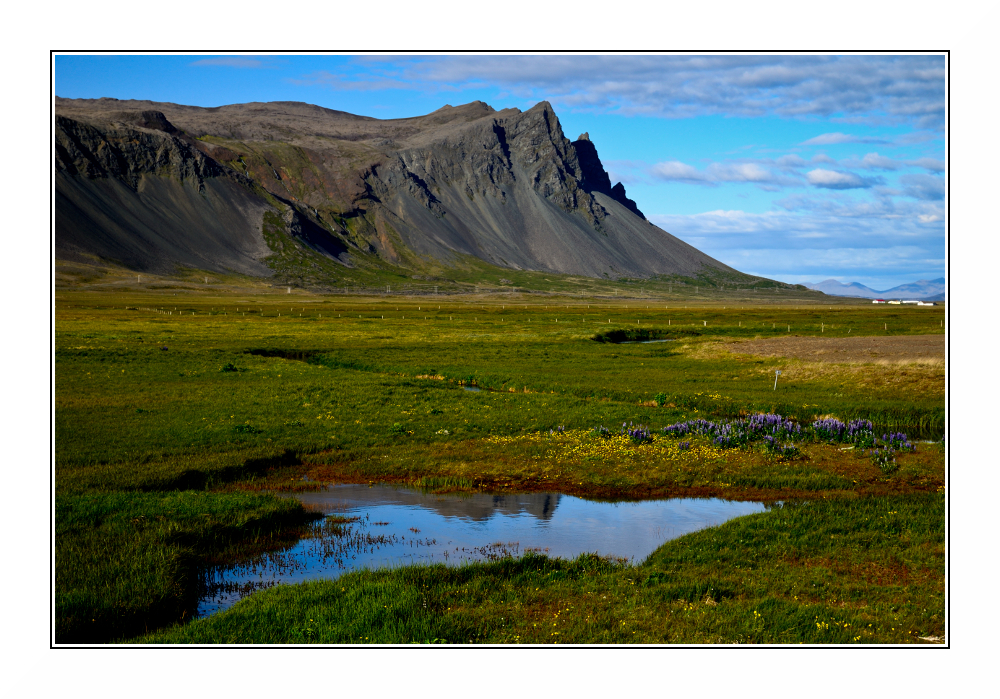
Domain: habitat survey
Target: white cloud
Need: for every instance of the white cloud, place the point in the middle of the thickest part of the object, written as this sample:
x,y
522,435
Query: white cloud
x,y
676,171
883,191
739,172
874,161
914,137
791,161
931,164
896,245
926,187
831,179
786,171
820,232
871,89
844,205
830,139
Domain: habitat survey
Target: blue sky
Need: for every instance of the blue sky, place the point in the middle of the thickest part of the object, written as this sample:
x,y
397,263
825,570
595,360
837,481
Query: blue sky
x,y
799,168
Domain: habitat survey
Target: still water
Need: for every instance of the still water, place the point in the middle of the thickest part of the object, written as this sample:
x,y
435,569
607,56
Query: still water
x,y
398,526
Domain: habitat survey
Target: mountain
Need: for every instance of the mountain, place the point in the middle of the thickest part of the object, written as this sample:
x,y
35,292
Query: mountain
x,y
835,288
300,191
919,289
926,289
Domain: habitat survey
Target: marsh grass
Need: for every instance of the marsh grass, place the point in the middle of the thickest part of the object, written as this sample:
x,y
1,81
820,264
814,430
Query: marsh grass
x,y
129,562
612,465
137,423
856,571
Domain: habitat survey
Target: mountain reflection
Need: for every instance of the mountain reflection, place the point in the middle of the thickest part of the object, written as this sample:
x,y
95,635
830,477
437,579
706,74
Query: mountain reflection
x,y
476,507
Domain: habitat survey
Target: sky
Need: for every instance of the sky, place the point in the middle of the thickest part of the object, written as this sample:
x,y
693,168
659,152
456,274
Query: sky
x,y
793,167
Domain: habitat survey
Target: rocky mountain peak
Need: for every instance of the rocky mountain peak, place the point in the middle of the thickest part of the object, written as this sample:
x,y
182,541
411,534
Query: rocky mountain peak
x,y
467,181
595,178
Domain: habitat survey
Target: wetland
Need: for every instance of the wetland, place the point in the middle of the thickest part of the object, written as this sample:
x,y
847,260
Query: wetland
x,y
183,447
382,526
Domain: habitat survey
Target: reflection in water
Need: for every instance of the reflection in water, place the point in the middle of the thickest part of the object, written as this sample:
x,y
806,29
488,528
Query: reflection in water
x,y
478,506
390,526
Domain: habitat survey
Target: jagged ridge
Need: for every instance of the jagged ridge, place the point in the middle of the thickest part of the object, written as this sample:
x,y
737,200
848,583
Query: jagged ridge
x,y
156,184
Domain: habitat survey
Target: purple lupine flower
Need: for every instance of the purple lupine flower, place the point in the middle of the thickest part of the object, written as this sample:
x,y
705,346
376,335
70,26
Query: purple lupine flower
x,y
830,429
898,441
639,434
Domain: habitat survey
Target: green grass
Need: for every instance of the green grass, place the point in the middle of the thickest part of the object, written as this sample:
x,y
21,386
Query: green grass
x,y
861,571
238,403
130,562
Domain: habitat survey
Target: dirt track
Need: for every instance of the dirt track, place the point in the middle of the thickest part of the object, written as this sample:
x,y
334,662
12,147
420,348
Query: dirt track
x,y
901,348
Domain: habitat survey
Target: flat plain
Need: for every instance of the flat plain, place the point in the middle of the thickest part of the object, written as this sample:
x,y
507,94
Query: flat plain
x,y
181,414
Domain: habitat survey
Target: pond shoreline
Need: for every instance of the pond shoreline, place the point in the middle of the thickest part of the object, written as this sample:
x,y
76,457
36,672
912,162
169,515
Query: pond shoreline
x,y
736,474
385,526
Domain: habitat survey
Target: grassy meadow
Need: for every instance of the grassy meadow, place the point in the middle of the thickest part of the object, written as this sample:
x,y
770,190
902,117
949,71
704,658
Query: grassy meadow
x,y
180,413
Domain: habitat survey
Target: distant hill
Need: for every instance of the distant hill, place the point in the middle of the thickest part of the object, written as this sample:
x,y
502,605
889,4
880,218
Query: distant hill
x,y
920,289
925,289
835,288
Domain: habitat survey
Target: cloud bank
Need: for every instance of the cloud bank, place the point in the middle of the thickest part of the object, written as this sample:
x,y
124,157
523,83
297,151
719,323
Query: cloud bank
x,y
859,89
832,179
881,244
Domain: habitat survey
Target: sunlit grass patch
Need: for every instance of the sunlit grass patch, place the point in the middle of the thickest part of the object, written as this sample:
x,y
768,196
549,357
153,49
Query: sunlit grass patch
x,y
582,445
614,465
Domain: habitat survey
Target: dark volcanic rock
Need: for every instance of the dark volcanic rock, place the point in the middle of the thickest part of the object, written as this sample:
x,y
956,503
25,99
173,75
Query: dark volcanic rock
x,y
127,153
503,186
618,194
595,178
151,202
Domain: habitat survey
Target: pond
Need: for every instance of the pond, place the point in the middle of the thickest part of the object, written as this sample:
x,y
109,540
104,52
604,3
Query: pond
x,y
399,526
